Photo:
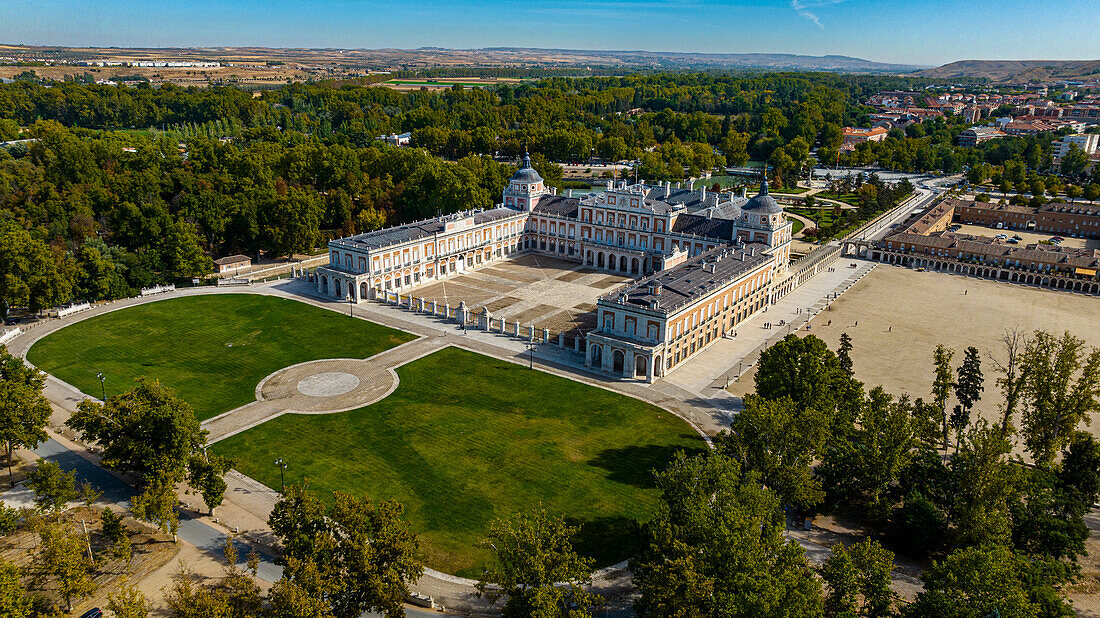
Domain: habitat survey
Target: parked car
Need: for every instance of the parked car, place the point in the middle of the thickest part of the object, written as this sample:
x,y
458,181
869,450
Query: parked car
x,y
95,612
1012,241
1017,237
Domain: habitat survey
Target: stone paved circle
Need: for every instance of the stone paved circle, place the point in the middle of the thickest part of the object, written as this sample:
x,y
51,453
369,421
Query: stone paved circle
x,y
327,384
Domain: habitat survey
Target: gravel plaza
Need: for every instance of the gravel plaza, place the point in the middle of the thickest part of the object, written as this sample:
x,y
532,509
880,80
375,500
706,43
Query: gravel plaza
x,y
896,316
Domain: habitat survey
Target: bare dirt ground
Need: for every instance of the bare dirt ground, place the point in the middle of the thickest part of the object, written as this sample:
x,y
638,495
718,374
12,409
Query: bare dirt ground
x,y
151,552
542,291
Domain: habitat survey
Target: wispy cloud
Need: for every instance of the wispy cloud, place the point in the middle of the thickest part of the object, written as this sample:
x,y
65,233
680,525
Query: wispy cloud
x,y
806,9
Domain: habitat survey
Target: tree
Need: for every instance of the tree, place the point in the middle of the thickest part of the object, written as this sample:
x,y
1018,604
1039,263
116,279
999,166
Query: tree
x,y
128,603
803,369
1013,374
29,274
941,386
968,390
715,547
114,531
207,474
844,355
62,558
861,469
857,580
536,568
987,484
14,602
779,442
1075,161
990,580
157,504
53,487
357,555
24,412
1061,390
146,430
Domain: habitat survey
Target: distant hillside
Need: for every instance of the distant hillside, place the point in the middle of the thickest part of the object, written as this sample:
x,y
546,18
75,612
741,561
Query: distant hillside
x,y
1006,71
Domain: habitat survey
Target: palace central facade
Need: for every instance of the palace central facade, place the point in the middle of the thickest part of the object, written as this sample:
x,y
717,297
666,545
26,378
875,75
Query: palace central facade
x,y
704,260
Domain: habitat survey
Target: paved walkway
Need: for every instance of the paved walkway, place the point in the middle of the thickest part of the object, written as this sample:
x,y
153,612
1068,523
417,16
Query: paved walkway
x,y
689,392
323,386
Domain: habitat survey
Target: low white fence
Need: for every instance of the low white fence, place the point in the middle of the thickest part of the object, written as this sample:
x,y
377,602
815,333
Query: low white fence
x,y
158,289
232,281
64,311
9,335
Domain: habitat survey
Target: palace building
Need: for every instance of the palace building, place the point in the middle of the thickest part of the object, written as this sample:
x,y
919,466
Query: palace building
x,y
704,260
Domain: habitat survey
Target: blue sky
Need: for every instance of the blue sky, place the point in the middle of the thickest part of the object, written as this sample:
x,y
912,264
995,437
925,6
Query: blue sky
x,y
907,31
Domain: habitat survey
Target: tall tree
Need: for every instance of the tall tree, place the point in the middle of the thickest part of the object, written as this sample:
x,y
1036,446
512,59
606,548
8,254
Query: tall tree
x,y
61,558
989,580
987,484
968,390
206,473
29,273
53,487
803,369
1013,373
24,412
14,601
536,568
146,430
779,442
128,602
857,581
1061,391
941,386
357,555
715,547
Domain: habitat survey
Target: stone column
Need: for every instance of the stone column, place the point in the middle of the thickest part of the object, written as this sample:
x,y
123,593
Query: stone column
x,y
561,341
435,307
447,311
516,326
530,332
649,370
587,354
546,335
628,364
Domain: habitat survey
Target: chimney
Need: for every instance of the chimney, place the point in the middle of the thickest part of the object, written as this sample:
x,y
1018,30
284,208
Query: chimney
x,y
677,184
668,188
710,213
553,190
745,192
568,193
703,197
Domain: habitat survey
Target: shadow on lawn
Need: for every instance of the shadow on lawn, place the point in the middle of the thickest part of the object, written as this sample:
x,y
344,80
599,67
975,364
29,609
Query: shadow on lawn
x,y
635,464
607,540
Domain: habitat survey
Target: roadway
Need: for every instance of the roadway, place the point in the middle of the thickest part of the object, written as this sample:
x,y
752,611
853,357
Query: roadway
x,y
191,530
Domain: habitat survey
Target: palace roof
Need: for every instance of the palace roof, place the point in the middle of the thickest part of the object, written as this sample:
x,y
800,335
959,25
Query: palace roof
x,y
391,236
682,285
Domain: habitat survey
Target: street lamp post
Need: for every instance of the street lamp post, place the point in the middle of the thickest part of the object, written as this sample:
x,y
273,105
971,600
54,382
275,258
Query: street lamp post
x,y
282,480
351,307
102,388
530,356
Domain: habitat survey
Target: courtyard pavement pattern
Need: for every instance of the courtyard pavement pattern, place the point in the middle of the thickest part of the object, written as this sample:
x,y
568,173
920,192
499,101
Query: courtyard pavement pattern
x,y
690,392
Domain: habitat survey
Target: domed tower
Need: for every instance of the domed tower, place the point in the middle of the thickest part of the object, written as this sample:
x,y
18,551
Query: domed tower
x,y
764,221
525,188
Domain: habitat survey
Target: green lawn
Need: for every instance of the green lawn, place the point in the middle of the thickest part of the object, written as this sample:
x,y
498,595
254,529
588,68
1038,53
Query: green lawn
x,y
796,226
466,438
213,350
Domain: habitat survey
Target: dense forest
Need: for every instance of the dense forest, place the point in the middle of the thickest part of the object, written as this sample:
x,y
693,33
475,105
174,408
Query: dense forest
x,y
122,187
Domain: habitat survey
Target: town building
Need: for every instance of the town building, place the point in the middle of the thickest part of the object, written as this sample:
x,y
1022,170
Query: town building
x,y
926,241
973,136
702,247
1088,142
858,135
396,139
232,263
1019,128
